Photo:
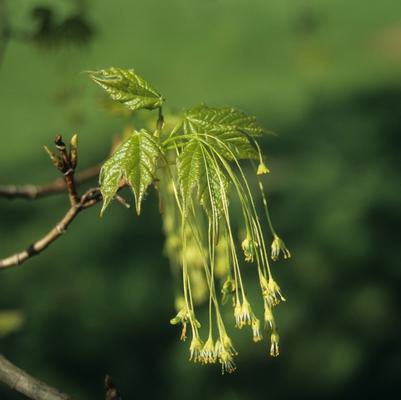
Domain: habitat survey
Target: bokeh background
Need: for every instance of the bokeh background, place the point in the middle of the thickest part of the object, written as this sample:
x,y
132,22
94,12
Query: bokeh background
x,y
325,76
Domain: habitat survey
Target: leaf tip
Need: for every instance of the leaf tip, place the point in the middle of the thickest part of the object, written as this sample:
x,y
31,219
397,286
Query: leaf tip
x,y
106,203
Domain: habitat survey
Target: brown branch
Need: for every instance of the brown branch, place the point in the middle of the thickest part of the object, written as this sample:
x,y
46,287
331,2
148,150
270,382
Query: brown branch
x,y
89,199
32,192
22,382
66,162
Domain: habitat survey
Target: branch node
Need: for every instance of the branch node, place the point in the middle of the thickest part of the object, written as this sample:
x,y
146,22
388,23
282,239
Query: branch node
x,y
60,229
31,250
68,172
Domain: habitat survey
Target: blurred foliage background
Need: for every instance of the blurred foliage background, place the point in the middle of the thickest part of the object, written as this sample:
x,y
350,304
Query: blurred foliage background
x,y
325,76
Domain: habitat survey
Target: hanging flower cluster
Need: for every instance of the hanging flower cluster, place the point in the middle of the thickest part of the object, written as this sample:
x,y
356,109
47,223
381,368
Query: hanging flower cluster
x,y
196,164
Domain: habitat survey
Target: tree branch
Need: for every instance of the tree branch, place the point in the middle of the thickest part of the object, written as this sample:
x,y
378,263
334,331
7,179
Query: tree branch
x,y
66,162
22,382
32,192
89,199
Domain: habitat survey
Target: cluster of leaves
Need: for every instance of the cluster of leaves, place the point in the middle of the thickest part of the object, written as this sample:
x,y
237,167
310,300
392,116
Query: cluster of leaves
x,y
198,161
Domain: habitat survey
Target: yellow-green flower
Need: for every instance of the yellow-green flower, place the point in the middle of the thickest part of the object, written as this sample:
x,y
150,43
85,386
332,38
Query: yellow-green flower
x,y
271,291
208,354
242,314
227,343
226,361
182,317
256,330
274,341
268,316
195,349
262,169
228,289
248,247
278,246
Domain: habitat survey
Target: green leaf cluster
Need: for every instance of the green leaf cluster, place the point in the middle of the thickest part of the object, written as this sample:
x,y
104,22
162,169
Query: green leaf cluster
x,y
229,130
202,141
127,87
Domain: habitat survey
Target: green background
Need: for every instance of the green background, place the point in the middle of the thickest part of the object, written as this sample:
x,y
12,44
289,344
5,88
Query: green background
x,y
326,77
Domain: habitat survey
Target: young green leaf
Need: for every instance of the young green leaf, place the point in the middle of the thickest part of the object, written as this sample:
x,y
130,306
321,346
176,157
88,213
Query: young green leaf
x,y
197,168
213,185
219,120
127,87
134,162
190,168
229,129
